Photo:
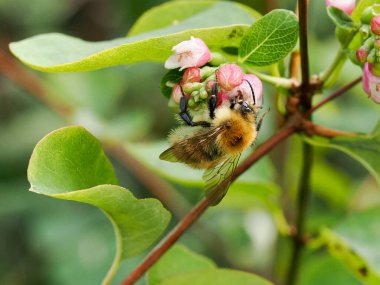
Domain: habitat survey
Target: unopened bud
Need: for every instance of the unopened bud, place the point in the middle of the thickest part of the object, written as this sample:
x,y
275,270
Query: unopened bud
x,y
176,93
192,74
207,71
364,31
191,103
371,82
375,25
203,93
376,43
370,12
371,56
193,86
361,54
209,85
229,76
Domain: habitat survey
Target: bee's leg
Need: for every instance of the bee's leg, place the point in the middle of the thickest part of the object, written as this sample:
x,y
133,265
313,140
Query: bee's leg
x,y
259,123
185,116
213,100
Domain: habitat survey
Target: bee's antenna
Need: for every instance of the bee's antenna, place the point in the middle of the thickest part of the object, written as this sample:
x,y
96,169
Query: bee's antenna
x,y
183,93
253,93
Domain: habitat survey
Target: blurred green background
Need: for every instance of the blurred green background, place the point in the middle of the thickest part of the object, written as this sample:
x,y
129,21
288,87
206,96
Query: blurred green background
x,y
48,241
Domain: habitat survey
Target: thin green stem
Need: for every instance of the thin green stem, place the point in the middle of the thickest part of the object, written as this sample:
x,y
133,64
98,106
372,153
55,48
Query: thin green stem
x,y
117,260
276,81
302,205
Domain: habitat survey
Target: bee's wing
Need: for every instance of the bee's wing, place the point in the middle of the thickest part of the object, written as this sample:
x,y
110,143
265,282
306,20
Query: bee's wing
x,y
168,155
217,179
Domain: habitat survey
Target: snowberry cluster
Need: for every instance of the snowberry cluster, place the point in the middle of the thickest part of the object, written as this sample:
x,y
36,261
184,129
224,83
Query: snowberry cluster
x,y
199,77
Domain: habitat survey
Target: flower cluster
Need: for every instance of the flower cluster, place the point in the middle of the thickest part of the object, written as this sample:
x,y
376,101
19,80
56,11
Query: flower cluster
x,y
199,77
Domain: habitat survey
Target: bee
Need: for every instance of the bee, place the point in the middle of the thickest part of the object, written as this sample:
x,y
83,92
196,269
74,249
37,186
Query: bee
x,y
215,144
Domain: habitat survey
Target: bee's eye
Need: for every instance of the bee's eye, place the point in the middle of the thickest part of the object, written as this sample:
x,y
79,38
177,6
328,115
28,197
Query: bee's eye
x,y
245,108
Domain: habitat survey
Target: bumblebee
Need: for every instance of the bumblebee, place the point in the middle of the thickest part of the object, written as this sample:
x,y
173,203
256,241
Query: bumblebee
x,y
215,144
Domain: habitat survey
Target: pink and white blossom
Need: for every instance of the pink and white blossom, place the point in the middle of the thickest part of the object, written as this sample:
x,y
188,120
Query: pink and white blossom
x,y
229,76
191,53
347,6
244,90
371,83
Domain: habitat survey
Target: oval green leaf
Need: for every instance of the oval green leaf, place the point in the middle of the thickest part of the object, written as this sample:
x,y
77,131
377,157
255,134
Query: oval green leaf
x,y
269,39
216,277
219,24
69,159
176,261
363,148
70,164
356,243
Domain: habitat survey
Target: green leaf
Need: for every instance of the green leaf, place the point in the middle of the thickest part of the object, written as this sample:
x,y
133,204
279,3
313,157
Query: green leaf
x,y
221,24
340,18
70,164
356,242
363,148
69,159
216,277
173,76
317,269
270,39
176,261
167,15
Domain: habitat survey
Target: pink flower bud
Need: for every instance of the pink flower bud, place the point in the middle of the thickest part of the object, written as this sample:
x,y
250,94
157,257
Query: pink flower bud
x,y
229,76
347,6
375,25
209,85
222,97
192,74
176,93
192,53
371,83
361,54
245,90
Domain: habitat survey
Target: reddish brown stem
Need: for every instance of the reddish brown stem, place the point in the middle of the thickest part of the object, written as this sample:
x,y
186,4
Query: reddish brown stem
x,y
334,95
313,129
197,211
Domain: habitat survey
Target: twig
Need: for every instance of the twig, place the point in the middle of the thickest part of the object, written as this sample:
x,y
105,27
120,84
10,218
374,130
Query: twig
x,y
302,204
313,129
198,210
305,84
304,188
334,95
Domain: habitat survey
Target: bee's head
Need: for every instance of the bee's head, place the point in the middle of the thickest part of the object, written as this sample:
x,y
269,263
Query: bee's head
x,y
245,108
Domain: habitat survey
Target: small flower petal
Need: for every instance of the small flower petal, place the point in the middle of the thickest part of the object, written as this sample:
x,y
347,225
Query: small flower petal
x,y
192,53
347,6
252,95
229,76
371,83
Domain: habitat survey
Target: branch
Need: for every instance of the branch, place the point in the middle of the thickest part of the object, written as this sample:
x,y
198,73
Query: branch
x,y
202,206
313,129
302,204
305,84
334,95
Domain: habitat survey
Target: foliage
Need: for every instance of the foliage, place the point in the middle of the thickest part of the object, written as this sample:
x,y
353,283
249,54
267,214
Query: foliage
x,y
70,163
